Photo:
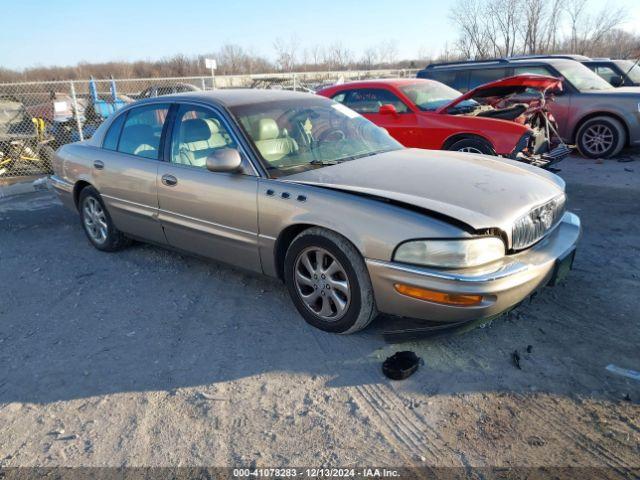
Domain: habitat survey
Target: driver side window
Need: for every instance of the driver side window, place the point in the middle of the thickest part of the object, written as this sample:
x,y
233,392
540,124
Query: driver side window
x,y
197,133
369,100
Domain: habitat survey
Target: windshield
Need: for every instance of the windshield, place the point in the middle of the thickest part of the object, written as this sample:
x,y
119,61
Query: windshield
x,y
632,73
296,135
581,77
430,96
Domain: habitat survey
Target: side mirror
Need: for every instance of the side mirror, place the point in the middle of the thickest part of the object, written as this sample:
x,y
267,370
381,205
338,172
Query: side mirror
x,y
617,81
387,109
224,160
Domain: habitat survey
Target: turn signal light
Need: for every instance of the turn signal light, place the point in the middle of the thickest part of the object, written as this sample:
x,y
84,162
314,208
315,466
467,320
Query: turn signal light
x,y
438,297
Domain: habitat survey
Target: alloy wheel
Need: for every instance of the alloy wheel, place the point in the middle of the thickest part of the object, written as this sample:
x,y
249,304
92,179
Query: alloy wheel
x,y
94,220
470,150
322,283
598,139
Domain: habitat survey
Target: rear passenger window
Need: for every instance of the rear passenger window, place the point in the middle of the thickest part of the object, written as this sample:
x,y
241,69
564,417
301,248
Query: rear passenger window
x,y
606,73
142,130
533,70
110,141
486,75
458,80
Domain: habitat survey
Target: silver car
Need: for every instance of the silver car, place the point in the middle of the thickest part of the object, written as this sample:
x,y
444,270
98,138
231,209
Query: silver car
x,y
299,187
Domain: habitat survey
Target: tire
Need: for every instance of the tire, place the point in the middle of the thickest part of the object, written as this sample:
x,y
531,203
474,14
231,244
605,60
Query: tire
x,y
359,307
601,137
108,238
472,145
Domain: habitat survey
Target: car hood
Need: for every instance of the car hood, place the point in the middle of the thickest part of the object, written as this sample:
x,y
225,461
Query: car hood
x,y
507,86
477,190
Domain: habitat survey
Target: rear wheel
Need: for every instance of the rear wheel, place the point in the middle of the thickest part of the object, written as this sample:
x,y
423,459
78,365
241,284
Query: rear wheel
x,y
97,223
600,137
472,145
328,282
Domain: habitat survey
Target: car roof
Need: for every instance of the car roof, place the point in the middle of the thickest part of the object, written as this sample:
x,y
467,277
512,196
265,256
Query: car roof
x,y
388,81
234,97
395,82
498,62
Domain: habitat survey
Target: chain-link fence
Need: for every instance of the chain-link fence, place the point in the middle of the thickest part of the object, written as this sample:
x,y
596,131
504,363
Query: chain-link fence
x,y
38,117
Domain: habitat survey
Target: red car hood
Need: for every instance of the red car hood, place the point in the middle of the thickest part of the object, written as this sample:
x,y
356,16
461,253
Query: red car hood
x,y
507,86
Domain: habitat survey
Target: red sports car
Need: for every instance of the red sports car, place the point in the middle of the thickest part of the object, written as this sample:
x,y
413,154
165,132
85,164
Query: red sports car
x,y
507,117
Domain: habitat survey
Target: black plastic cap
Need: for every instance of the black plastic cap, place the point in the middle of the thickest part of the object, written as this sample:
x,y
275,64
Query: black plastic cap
x,y
400,365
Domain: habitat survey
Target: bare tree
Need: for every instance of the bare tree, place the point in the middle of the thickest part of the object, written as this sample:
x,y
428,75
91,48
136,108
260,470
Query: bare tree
x,y
337,56
388,52
598,27
575,10
503,19
286,53
506,27
534,24
554,15
369,58
468,17
316,55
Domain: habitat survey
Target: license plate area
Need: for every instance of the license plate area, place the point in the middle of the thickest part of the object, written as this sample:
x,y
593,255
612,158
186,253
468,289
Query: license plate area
x,y
562,268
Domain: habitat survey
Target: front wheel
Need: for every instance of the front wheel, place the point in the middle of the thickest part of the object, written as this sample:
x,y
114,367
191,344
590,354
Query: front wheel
x,y
328,282
600,137
97,223
472,145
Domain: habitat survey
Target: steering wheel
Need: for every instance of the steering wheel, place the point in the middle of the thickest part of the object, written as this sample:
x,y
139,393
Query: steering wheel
x,y
331,135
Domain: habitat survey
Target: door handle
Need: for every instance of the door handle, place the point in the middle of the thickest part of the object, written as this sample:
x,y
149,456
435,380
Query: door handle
x,y
169,180
98,164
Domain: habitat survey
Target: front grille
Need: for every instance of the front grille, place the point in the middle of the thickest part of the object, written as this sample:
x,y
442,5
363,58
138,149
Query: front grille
x,y
533,226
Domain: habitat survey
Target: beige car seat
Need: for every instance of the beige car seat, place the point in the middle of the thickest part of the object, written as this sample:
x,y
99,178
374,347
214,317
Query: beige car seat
x,y
139,140
272,145
198,138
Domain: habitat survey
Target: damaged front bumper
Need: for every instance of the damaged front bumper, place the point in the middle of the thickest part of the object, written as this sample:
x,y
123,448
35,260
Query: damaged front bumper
x,y
536,150
501,286
547,159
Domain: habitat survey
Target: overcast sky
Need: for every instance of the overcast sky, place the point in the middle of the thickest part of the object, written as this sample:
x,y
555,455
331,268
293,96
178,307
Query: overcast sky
x,y
64,32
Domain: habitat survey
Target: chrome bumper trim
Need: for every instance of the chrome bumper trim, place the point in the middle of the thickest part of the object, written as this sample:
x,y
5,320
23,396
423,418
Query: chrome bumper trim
x,y
502,272
60,184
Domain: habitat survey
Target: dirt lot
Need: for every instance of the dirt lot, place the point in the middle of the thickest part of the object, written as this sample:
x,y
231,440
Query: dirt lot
x,y
148,357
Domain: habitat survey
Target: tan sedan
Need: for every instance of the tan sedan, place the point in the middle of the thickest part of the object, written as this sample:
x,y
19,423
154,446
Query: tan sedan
x,y
299,187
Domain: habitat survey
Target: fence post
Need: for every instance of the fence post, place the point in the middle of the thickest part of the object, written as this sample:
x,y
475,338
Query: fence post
x,y
295,83
204,85
72,87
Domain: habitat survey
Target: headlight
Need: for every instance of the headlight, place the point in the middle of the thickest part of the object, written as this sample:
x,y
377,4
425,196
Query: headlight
x,y
451,253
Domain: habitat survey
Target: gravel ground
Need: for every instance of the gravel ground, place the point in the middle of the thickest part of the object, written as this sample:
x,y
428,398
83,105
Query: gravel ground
x,y
151,358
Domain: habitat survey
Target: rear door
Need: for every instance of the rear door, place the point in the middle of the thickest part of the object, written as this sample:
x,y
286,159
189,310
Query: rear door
x,y
126,170
212,214
403,125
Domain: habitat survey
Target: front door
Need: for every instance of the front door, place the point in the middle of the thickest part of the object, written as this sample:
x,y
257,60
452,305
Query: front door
x,y
401,125
209,213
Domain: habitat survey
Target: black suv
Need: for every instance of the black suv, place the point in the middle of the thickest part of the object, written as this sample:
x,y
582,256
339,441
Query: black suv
x,y
597,117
